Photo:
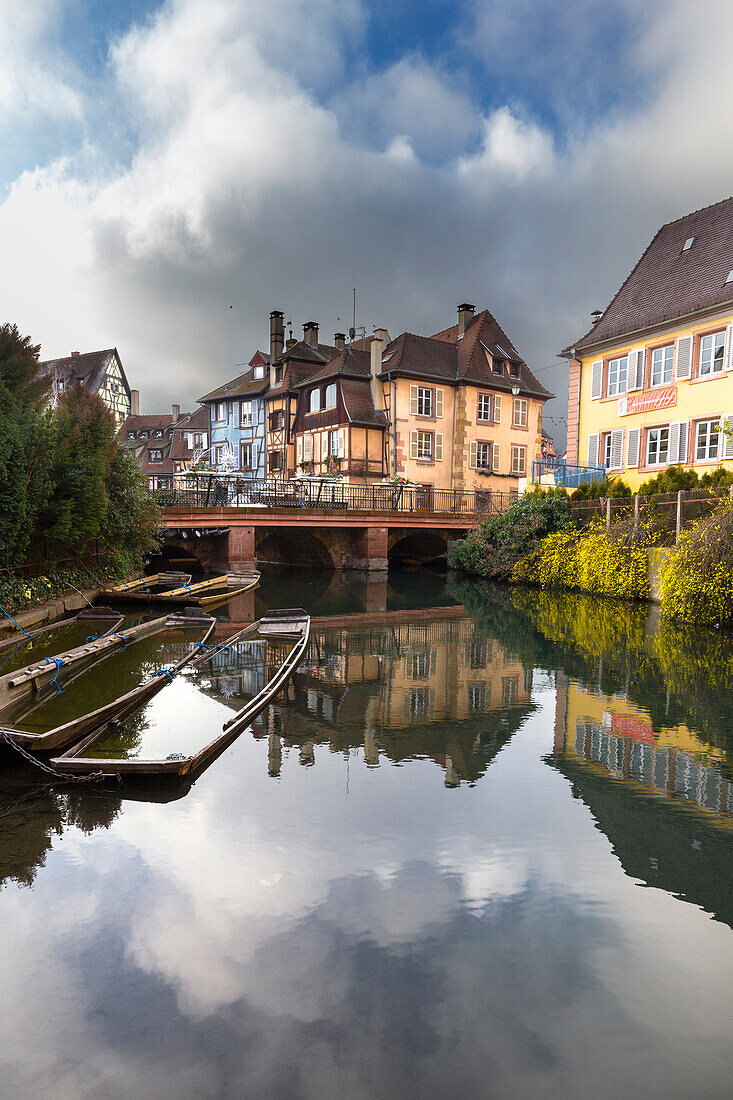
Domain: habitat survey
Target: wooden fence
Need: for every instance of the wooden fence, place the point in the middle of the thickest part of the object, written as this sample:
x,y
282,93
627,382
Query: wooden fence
x,y
672,512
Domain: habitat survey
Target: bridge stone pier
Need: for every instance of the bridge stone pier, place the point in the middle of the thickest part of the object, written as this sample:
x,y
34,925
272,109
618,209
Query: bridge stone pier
x,y
235,539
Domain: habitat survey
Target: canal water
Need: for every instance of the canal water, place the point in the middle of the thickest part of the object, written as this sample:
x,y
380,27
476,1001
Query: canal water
x,y
482,847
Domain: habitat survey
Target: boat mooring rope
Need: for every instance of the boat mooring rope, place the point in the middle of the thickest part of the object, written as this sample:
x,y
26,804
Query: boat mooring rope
x,y
20,628
94,777
169,672
58,661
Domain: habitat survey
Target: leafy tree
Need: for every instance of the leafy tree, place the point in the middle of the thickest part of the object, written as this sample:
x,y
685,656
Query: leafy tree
x,y
83,455
497,544
130,524
26,440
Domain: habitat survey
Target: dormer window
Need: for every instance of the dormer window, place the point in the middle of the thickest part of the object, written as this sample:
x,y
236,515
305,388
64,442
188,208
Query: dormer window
x,y
315,401
158,433
330,396
514,370
278,374
130,435
156,456
145,435
259,371
497,366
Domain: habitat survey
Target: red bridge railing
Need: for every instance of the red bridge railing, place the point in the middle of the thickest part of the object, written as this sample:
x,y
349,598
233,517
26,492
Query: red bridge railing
x,y
212,491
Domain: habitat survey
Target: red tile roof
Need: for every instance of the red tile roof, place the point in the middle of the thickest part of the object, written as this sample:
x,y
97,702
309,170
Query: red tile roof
x,y
670,281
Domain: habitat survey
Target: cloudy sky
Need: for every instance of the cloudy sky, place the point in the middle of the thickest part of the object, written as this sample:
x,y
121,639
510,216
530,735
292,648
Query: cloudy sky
x,y
171,172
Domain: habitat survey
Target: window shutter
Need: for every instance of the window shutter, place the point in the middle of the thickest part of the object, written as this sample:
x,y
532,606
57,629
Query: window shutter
x,y
728,443
617,449
299,448
729,348
439,403
636,370
593,449
497,409
673,450
472,455
495,458
308,448
632,449
413,400
342,443
438,446
683,441
684,357
596,380
413,444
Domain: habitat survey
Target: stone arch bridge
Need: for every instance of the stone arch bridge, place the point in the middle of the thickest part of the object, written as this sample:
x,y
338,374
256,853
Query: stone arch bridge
x,y
235,539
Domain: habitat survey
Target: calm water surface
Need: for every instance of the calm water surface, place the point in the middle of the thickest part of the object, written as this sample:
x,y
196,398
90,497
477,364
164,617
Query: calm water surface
x,y
483,848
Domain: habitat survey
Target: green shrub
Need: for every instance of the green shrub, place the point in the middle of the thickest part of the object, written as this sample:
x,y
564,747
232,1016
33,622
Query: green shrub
x,y
697,578
670,480
495,546
609,487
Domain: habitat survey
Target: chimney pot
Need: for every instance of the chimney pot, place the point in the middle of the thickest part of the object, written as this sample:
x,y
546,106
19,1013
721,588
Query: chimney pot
x,y
339,339
310,333
378,343
277,340
176,409
134,402
465,316
74,354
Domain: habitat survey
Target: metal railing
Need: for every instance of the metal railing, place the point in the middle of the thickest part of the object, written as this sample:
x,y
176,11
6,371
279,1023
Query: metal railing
x,y
223,491
565,473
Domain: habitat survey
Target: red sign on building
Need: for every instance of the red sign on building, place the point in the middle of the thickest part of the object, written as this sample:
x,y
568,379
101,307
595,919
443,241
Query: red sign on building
x,y
649,401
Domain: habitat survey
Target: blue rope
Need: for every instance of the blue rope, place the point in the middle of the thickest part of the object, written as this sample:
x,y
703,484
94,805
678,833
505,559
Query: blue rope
x,y
58,661
211,645
92,638
169,672
116,634
20,628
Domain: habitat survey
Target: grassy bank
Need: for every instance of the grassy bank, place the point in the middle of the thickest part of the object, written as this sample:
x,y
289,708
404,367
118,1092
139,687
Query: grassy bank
x,y
18,593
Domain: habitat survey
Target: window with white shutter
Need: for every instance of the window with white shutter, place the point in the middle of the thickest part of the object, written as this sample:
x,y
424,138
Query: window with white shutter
x,y
495,464
413,444
413,400
308,448
684,357
342,443
438,446
729,348
677,442
632,448
636,370
684,429
728,436
593,449
497,409
299,449
617,449
439,403
472,455
596,380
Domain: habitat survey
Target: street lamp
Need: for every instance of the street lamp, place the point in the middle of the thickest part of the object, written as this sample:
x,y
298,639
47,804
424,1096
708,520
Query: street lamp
x,y
515,389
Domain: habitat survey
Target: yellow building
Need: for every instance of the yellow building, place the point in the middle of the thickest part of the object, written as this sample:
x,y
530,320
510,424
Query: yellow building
x,y
651,383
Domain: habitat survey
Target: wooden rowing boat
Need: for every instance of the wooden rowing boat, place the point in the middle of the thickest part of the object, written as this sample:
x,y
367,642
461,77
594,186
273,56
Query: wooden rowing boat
x,y
288,626
125,704
31,680
207,594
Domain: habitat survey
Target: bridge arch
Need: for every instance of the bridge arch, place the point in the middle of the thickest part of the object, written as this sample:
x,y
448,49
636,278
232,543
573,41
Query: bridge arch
x,y
408,547
180,556
293,546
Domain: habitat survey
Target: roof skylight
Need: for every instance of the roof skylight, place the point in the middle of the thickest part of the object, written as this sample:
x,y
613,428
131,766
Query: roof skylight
x,y
730,277
688,244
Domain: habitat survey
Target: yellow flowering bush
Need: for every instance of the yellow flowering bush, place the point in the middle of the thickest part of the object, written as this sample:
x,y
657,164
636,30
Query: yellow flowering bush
x,y
697,578
589,560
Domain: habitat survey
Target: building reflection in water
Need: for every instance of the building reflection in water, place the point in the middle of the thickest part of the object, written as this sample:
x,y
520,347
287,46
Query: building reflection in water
x,y
662,796
426,685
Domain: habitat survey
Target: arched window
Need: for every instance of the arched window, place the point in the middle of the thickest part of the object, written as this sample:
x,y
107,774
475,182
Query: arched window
x,y
331,396
315,401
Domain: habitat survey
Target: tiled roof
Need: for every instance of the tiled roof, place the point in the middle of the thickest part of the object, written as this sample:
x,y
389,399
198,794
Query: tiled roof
x,y
350,362
357,396
446,358
670,281
89,367
244,385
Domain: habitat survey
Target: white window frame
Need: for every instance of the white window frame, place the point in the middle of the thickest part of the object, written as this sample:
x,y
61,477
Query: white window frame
x,y
330,396
520,412
156,452
484,411
617,384
334,442
245,448
657,444
245,414
425,401
662,370
709,427
483,455
314,401
712,370
425,446
607,444
220,412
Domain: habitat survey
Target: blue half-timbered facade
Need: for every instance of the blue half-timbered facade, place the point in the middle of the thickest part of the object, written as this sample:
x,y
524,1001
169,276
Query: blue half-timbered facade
x,y
238,426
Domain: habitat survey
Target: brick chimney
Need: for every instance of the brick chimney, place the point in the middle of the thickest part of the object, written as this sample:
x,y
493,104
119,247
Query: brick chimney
x,y
74,354
176,410
465,316
277,340
377,345
134,402
339,340
310,333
